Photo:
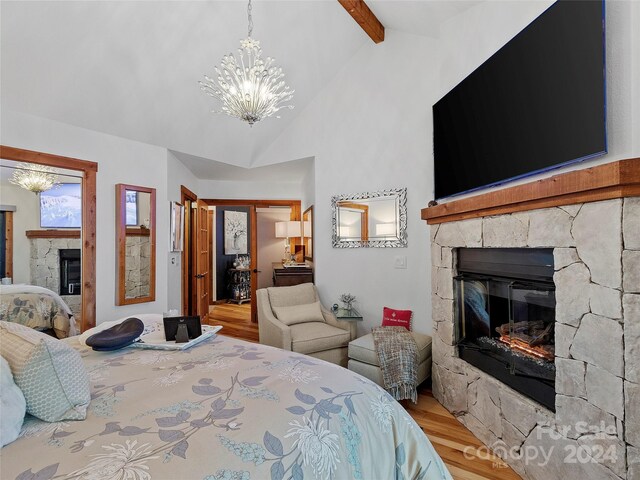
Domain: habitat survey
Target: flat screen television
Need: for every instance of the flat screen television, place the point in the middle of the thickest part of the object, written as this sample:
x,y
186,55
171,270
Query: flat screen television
x,y
538,103
61,206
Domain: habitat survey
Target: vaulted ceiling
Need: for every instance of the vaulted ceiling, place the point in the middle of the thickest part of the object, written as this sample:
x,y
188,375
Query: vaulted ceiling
x,y
131,68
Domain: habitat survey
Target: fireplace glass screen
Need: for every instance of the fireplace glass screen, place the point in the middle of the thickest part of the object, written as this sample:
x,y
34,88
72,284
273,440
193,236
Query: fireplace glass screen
x,y
505,321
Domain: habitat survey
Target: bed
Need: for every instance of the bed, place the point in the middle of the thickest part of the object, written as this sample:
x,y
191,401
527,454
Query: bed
x,y
37,307
225,409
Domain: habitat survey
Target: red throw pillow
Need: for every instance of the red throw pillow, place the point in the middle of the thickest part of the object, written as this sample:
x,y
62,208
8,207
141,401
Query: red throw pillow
x,y
396,318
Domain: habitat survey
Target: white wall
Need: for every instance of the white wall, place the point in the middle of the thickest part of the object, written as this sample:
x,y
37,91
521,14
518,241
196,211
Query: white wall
x,y
177,175
270,248
119,161
26,217
249,190
370,129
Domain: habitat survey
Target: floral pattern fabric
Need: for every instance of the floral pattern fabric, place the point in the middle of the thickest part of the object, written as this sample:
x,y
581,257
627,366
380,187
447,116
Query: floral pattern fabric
x,y
225,409
35,310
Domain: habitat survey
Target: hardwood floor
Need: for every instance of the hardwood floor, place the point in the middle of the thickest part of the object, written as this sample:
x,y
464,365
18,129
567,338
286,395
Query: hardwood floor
x,y
465,455
235,320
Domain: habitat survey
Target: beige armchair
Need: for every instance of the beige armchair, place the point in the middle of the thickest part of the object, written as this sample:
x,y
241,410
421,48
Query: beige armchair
x,y
328,339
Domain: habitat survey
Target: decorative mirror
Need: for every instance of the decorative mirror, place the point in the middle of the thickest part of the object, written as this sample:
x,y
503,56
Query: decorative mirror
x,y
136,244
307,233
377,219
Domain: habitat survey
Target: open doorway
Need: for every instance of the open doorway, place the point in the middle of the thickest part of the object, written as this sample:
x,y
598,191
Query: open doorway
x,y
243,247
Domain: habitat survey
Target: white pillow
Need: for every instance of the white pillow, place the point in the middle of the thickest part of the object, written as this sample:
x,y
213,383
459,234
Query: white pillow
x,y
291,315
49,372
12,404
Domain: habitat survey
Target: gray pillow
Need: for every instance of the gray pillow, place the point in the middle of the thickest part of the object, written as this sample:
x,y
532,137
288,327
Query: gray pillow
x,y
49,372
310,312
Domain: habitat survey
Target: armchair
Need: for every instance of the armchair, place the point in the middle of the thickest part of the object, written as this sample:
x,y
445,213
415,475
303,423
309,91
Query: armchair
x,y
327,340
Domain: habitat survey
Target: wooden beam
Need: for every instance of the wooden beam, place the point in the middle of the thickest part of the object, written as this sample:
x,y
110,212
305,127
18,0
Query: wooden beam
x,y
365,18
612,180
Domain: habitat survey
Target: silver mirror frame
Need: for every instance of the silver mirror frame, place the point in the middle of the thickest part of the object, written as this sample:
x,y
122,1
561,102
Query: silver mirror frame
x,y
398,242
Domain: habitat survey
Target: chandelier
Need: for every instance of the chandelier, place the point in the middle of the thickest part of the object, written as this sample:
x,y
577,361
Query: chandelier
x,y
35,178
249,88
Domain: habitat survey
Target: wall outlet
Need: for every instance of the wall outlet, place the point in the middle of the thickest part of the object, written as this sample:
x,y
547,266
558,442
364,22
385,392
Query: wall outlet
x,y
400,261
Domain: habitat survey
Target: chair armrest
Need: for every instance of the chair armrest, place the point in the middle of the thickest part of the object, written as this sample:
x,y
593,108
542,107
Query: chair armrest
x,y
271,330
347,325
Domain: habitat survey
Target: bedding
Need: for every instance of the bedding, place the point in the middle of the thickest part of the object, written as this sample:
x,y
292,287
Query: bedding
x,y
38,308
225,409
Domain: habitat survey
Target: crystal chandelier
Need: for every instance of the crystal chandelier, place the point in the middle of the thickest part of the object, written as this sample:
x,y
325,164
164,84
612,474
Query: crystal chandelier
x,y
35,178
249,88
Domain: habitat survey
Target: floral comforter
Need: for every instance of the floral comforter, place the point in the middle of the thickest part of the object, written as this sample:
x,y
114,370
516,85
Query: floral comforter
x,y
36,307
225,409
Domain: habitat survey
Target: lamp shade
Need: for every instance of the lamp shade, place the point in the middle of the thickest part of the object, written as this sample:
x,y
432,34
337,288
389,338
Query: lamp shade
x,y
288,229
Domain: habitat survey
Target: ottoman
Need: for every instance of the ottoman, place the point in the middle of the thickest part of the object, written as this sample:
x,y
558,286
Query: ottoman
x,y
364,360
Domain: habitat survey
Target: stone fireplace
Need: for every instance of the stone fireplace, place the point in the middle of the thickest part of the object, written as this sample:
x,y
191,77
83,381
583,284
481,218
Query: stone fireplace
x,y
594,431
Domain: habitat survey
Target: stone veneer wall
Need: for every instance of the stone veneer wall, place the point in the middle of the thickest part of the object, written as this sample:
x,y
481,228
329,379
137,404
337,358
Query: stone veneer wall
x,y
44,266
137,266
597,332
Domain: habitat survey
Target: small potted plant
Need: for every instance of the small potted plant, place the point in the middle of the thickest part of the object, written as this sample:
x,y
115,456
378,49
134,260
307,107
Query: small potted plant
x,y
348,300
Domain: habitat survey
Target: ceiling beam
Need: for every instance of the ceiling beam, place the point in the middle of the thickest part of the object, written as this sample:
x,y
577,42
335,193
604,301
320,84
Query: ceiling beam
x,y
365,18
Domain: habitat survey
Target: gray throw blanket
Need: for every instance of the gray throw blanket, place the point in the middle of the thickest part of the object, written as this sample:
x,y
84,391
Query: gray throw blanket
x,y
398,357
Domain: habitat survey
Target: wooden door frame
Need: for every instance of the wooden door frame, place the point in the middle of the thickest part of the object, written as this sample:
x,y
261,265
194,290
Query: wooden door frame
x,y
296,208
186,195
88,257
8,243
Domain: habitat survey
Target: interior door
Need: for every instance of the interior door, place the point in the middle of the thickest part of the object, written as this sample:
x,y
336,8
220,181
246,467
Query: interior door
x,y
202,260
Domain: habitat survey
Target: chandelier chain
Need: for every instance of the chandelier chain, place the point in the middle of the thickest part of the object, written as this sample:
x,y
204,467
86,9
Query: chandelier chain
x,y
249,8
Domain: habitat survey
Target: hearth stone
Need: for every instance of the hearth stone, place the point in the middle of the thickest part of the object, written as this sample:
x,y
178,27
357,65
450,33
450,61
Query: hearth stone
x,y
467,233
631,223
604,390
573,415
597,230
631,267
612,446
633,462
598,341
631,304
571,302
550,228
571,209
556,449
506,230
564,338
570,377
605,301
563,257
632,420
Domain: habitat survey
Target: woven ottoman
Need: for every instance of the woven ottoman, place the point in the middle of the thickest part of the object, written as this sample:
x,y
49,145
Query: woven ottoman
x,y
364,360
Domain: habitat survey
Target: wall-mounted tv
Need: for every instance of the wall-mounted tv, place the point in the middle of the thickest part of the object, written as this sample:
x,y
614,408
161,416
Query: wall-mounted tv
x,y
61,206
131,208
536,104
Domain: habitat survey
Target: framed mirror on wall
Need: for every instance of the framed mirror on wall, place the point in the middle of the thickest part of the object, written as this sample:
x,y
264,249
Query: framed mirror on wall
x,y
370,219
307,233
136,244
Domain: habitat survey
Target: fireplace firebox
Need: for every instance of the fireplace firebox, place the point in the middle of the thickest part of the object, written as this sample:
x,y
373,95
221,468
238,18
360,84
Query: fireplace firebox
x,y
70,271
505,311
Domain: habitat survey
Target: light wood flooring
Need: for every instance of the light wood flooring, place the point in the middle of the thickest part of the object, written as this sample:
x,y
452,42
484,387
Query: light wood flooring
x,y
461,451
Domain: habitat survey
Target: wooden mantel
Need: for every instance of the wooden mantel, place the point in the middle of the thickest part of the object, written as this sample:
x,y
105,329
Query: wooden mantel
x,y
603,182
71,233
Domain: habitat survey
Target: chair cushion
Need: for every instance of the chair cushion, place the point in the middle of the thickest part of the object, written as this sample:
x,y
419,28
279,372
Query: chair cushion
x,y
302,294
315,337
363,349
49,372
299,313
